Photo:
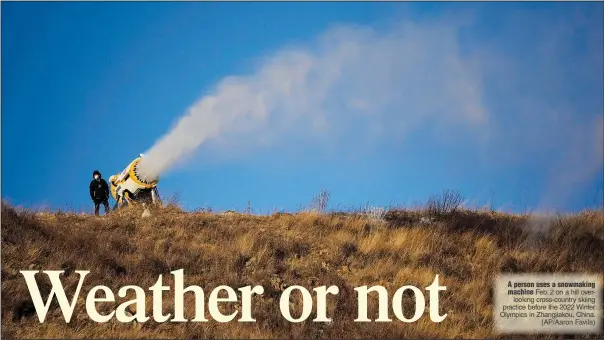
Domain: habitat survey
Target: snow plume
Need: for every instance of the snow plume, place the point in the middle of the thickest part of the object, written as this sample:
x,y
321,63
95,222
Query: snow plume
x,y
507,99
348,74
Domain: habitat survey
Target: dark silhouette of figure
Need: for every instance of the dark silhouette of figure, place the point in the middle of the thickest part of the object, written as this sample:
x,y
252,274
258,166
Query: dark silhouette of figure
x,y
99,192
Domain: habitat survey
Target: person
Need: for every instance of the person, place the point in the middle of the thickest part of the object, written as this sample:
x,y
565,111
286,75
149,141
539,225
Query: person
x,y
99,192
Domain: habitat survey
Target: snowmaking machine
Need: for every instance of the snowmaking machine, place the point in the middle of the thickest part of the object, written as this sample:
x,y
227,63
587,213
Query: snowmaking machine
x,y
128,187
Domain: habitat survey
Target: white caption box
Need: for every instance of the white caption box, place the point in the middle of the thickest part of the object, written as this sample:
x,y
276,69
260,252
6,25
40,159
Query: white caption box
x,y
548,303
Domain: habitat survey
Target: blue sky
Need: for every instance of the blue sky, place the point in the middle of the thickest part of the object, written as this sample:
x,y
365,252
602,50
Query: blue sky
x,y
501,101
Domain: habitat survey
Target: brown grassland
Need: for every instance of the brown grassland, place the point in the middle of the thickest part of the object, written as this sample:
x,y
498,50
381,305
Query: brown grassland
x,y
465,248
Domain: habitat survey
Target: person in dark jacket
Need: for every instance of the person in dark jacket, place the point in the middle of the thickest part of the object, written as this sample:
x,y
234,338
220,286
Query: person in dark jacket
x,y
99,192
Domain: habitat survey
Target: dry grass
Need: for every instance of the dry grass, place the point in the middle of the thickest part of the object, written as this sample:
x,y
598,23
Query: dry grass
x,y
467,249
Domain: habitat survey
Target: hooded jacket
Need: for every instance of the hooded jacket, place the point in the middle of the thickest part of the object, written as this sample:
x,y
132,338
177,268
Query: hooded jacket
x,y
99,190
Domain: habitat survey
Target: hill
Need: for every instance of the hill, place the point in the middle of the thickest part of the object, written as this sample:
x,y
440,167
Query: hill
x,y
465,248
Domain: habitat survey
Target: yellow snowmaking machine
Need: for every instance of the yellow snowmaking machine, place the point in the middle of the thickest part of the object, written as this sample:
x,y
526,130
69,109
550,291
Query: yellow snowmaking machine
x,y
128,187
